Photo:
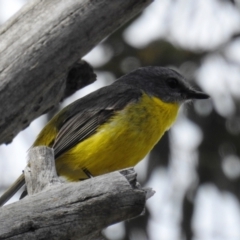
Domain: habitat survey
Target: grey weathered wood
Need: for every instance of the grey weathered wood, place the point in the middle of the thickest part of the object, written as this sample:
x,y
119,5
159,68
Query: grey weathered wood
x,y
41,43
77,210
40,172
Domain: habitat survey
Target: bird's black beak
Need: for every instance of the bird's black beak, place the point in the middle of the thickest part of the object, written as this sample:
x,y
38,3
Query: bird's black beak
x,y
193,94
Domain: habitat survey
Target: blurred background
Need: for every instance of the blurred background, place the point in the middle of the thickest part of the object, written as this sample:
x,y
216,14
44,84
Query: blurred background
x,y
195,168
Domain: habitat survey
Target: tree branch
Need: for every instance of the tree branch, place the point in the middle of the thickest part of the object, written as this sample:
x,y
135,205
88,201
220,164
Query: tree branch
x,y
39,46
77,210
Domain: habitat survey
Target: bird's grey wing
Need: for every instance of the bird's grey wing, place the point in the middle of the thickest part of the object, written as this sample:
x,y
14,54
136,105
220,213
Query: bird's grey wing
x,y
84,123
78,128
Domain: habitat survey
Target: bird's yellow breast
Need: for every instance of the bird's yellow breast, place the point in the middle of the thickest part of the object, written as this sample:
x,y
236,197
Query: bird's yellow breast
x,y
122,141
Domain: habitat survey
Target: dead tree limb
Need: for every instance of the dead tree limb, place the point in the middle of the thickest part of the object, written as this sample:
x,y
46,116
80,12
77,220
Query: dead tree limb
x,y
39,46
78,210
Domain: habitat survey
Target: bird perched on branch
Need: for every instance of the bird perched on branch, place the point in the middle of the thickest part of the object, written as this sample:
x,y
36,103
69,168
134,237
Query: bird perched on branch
x,y
114,127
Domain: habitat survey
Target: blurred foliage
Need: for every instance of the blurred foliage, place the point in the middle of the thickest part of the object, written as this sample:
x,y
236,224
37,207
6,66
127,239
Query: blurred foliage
x,y
218,141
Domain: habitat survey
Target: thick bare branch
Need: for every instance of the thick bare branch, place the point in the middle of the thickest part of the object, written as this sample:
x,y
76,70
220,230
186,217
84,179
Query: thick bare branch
x,y
40,44
78,210
41,171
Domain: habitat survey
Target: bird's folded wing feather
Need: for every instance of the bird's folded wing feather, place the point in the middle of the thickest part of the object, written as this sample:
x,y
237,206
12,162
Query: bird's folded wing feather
x,y
85,123
78,128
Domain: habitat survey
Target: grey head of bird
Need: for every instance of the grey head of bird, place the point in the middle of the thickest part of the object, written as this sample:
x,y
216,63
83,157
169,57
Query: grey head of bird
x,y
164,83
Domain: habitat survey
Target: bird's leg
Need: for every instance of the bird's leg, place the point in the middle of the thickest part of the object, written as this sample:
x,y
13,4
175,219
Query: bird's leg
x,y
87,172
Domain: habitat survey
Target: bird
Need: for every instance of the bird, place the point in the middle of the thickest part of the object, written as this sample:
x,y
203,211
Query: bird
x,y
115,126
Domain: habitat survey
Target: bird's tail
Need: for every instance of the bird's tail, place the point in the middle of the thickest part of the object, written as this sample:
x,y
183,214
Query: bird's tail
x,y
12,189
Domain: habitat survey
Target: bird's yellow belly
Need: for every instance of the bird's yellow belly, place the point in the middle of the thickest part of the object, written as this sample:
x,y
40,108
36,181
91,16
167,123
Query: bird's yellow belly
x,y
121,142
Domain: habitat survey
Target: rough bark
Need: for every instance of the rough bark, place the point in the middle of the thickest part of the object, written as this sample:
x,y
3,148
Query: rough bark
x,y
77,210
39,46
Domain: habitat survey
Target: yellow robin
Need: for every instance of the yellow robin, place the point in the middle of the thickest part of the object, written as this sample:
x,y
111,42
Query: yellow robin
x,y
115,126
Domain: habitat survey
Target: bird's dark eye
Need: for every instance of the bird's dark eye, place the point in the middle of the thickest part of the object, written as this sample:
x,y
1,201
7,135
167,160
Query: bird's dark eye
x,y
172,83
